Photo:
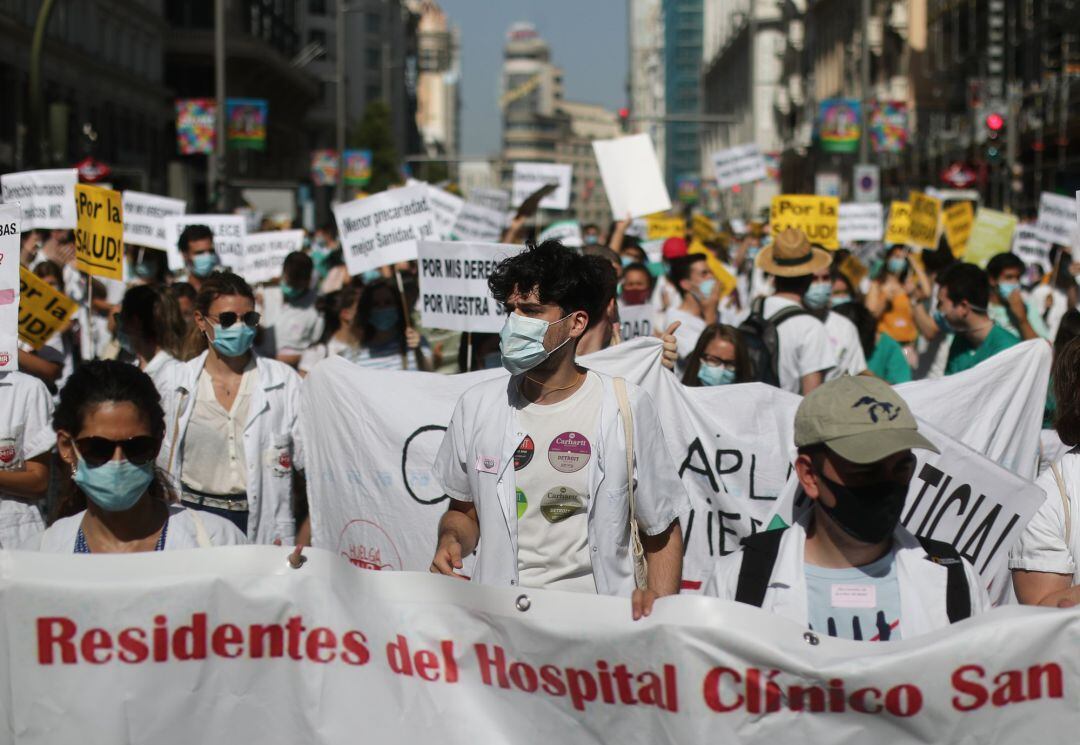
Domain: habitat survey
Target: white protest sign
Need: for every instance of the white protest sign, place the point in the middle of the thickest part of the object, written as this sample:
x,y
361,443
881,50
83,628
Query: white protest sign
x,y
632,177
10,249
445,208
144,219
264,253
861,222
636,320
1057,218
478,223
228,230
384,228
566,232
495,199
1030,246
47,198
739,165
454,292
530,177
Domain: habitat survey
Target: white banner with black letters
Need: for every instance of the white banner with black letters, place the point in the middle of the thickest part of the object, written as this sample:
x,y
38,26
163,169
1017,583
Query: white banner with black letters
x,y
454,292
384,228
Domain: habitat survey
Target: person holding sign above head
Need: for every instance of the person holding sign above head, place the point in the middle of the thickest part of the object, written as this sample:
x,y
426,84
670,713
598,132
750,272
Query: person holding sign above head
x,y
538,467
109,427
963,298
196,245
718,359
385,340
234,440
846,567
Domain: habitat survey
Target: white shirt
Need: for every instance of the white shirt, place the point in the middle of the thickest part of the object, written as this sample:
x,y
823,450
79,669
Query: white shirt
x,y
181,532
1058,306
25,432
214,459
1042,546
289,327
165,370
844,338
804,345
315,354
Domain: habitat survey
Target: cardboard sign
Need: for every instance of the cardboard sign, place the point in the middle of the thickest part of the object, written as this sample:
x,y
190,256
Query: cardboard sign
x,y
636,320
898,229
1029,245
495,199
144,219
991,235
739,165
925,215
703,229
42,310
566,232
99,234
632,177
528,177
10,247
454,292
1057,219
47,198
959,218
478,224
264,253
228,230
861,222
727,281
384,228
664,226
818,217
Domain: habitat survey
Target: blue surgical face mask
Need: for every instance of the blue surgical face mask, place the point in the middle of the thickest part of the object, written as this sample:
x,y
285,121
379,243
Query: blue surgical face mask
x,y
626,260
943,322
145,270
521,342
114,486
706,287
715,374
384,319
370,276
1007,288
817,296
836,300
657,268
234,341
291,293
202,265
896,265
591,240
752,252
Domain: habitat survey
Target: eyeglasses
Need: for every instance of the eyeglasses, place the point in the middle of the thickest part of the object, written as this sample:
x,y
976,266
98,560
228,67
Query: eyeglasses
x,y
228,318
98,451
717,362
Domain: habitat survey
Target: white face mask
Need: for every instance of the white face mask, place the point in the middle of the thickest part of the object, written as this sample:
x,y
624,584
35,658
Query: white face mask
x,y
521,342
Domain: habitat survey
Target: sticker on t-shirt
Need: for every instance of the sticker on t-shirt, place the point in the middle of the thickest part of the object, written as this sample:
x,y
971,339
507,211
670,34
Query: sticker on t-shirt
x,y
522,504
569,452
561,503
9,454
487,464
524,454
854,596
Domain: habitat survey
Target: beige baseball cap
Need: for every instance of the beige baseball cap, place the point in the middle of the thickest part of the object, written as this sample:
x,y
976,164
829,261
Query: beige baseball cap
x,y
861,419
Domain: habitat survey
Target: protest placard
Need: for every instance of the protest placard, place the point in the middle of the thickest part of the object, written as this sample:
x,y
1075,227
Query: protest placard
x,y
898,229
445,208
384,228
566,232
665,226
959,218
739,165
818,217
47,198
144,219
478,223
528,177
860,222
10,246
264,253
1057,219
990,235
1029,245
703,229
42,310
632,177
228,230
454,293
494,199
925,216
636,320
99,234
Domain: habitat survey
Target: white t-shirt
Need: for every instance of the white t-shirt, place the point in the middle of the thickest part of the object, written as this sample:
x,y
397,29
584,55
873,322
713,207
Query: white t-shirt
x,y
553,489
686,336
289,327
181,532
315,354
25,432
804,345
844,337
1042,546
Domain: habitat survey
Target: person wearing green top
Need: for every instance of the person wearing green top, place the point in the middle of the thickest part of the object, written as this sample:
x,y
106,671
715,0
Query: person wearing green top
x,y
963,294
888,361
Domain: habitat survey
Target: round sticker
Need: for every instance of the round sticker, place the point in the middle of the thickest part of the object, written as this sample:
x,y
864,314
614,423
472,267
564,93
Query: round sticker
x,y
561,503
569,452
524,454
522,504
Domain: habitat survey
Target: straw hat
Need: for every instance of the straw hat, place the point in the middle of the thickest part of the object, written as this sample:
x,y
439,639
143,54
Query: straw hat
x,y
791,255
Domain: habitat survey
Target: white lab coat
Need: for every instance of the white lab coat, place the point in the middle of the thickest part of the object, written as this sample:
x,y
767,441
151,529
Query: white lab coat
x,y
25,432
272,446
483,427
922,582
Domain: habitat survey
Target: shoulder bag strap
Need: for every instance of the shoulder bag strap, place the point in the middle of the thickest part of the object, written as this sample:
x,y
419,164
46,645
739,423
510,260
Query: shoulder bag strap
x,y
957,591
758,559
641,568
1064,502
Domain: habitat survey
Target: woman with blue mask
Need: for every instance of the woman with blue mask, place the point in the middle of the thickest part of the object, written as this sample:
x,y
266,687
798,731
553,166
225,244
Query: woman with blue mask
x,y
719,358
385,340
233,444
109,427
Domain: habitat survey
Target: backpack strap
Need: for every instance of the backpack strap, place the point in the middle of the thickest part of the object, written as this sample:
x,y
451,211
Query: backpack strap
x,y
757,308
786,313
758,559
957,590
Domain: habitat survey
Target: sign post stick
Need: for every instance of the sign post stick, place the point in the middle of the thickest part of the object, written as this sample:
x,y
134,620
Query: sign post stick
x,y
468,351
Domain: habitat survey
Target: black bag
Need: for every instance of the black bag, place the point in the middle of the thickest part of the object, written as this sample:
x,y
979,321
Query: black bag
x,y
762,341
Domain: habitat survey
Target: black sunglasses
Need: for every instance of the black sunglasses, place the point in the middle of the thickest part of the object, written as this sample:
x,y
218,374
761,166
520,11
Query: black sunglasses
x,y
228,318
97,451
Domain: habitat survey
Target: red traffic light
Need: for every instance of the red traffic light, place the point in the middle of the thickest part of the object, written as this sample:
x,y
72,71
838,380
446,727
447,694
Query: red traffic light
x,y
624,113
995,122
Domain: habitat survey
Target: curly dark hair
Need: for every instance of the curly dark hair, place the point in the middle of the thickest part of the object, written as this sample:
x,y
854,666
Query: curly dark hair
x,y
558,274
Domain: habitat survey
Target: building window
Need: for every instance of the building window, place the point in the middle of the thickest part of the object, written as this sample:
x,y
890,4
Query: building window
x,y
373,58
318,7
373,92
373,21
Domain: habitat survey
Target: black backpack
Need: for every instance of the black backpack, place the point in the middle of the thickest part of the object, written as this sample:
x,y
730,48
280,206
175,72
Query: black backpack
x,y
762,341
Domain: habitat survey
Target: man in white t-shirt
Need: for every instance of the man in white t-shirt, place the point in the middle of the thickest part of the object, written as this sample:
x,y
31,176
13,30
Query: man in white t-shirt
x,y
291,320
700,294
842,333
805,353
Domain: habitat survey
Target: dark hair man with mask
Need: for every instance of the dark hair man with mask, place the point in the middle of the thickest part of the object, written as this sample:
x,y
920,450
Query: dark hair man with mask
x,y
1008,308
963,295
196,245
536,465
847,567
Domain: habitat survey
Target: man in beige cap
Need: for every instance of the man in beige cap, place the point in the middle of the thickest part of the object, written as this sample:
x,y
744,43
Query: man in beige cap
x,y
804,353
847,567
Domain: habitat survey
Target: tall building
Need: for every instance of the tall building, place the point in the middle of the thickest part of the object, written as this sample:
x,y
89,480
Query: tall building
x,y
647,79
438,90
682,88
583,123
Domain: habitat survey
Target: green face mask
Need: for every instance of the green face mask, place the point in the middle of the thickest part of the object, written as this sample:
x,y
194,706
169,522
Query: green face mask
x,y
291,293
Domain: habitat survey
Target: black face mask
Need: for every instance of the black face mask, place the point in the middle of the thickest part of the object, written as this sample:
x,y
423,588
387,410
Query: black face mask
x,y
867,513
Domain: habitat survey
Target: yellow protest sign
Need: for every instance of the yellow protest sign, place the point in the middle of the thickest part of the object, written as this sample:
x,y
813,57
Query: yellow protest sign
x,y
703,229
853,269
899,228
99,232
723,276
42,310
818,217
925,214
990,235
662,226
959,219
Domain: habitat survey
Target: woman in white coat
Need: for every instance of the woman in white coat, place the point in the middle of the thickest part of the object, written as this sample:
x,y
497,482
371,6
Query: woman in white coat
x,y
234,441
151,329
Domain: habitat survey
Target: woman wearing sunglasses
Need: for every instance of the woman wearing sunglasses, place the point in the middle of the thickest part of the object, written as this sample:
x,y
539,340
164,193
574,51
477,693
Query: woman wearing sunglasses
x,y
109,427
233,437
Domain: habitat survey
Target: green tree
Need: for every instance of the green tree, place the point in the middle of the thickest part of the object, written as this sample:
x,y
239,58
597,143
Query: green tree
x,y
374,133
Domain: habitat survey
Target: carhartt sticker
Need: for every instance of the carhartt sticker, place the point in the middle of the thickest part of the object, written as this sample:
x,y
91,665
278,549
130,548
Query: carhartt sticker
x,y
522,504
524,454
560,503
569,452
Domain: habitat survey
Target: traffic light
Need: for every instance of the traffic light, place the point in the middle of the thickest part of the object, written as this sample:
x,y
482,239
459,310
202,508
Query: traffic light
x,y
995,128
624,119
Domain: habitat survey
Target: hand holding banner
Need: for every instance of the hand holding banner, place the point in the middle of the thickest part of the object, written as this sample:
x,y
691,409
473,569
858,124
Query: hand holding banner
x,y
99,235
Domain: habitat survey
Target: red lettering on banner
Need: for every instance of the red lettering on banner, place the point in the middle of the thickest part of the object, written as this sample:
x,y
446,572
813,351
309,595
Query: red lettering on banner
x,y
321,640
903,700
427,665
93,641
161,639
259,632
553,682
712,690
1010,686
424,663
356,651
797,695
296,630
56,631
189,642
227,641
858,703
132,646
582,687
